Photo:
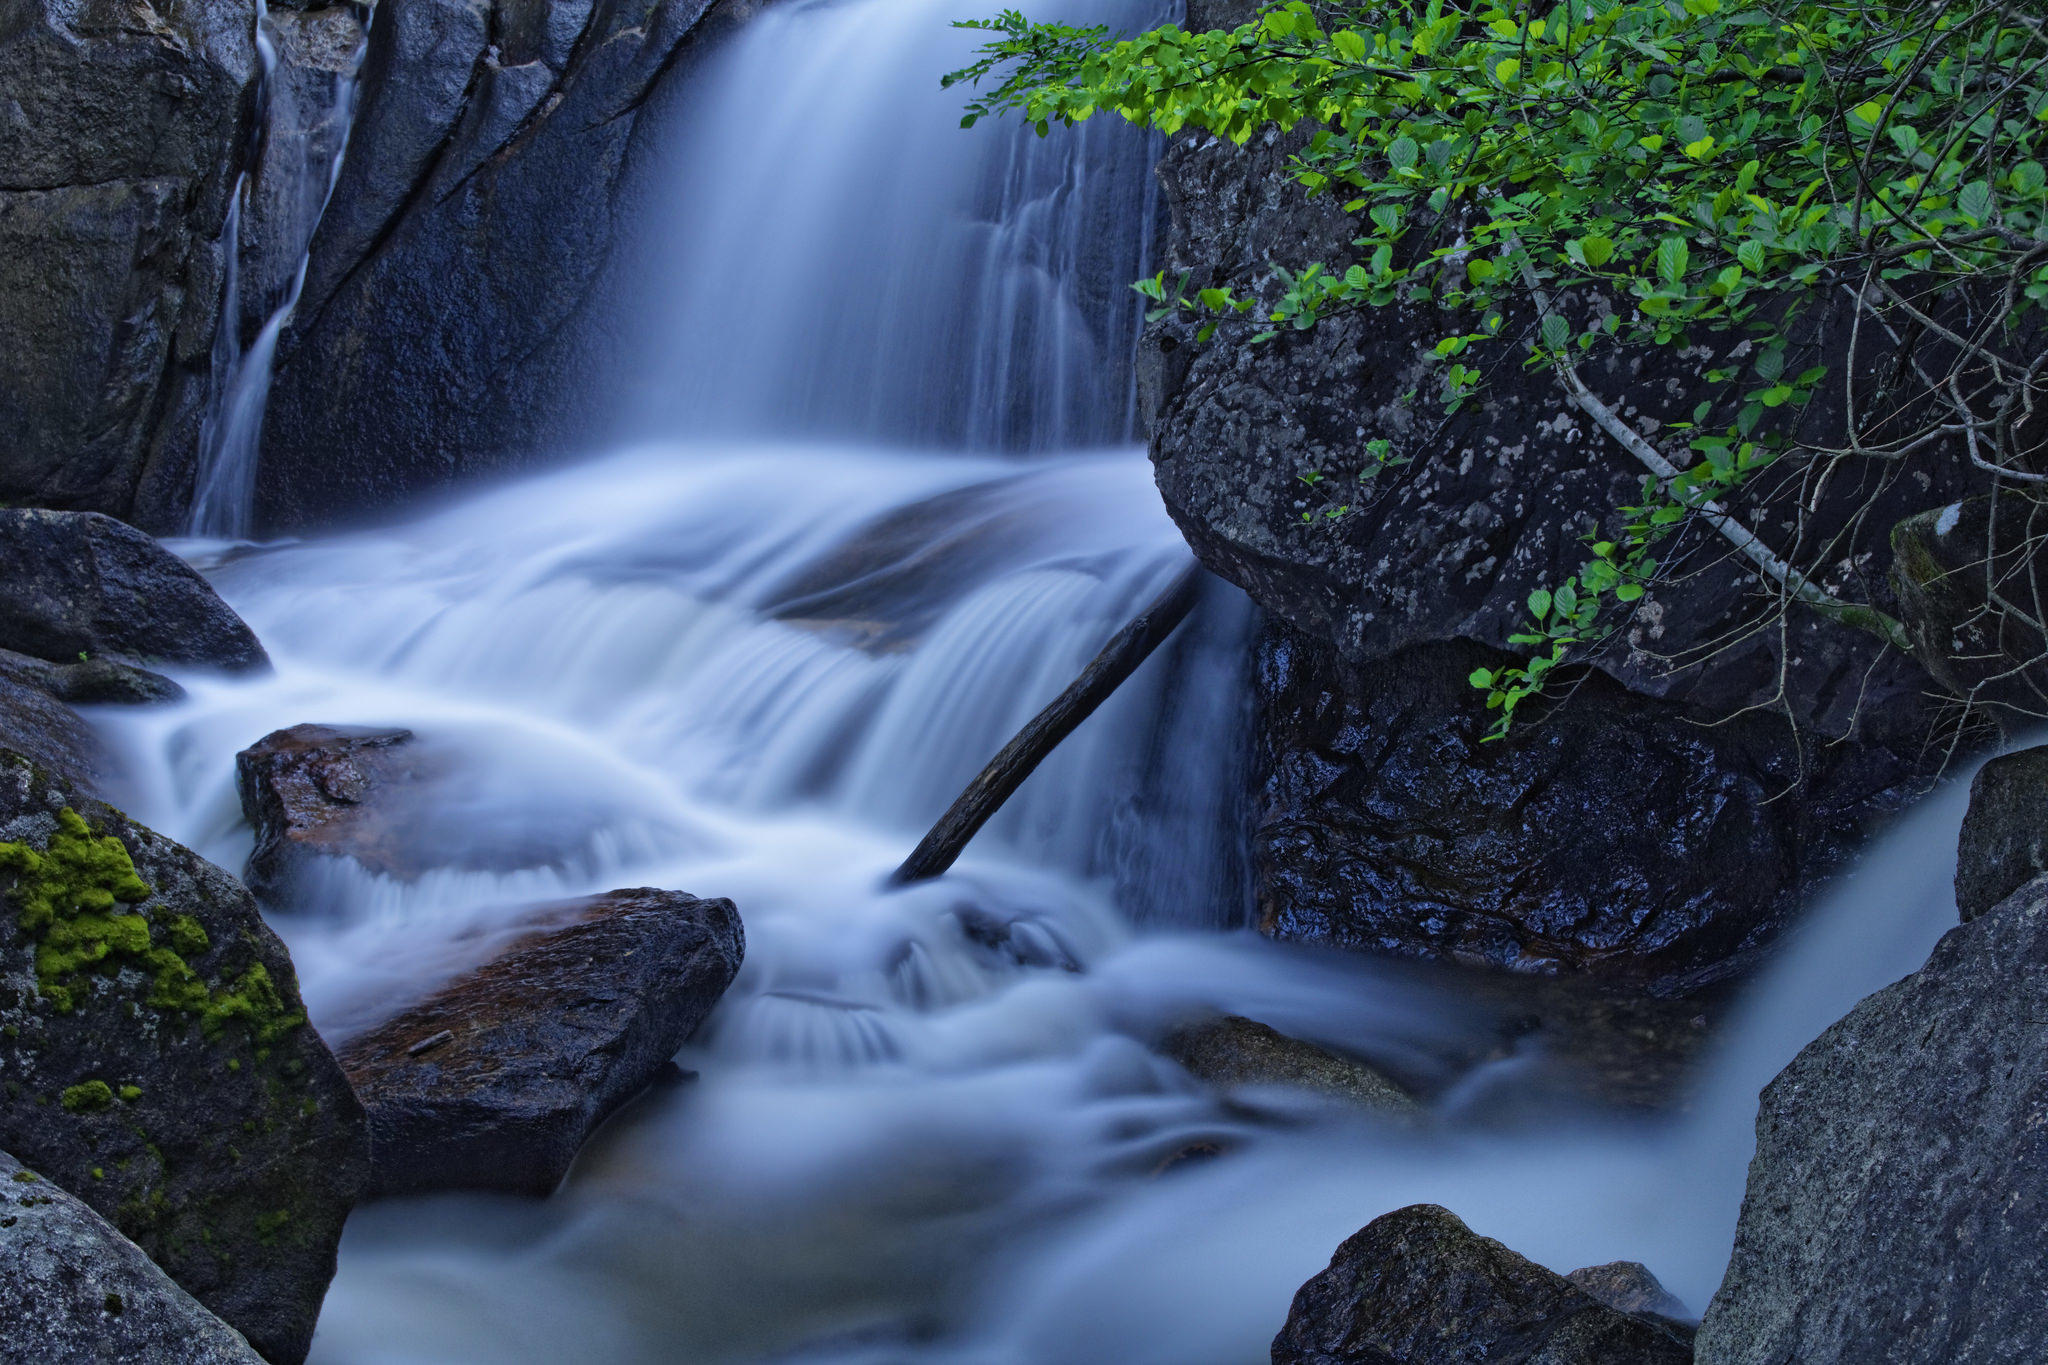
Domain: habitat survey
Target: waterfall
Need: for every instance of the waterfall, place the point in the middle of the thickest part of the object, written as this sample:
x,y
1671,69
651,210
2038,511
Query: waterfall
x,y
304,124
875,502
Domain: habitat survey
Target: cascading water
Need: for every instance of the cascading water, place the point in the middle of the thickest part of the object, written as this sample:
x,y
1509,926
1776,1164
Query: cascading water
x,y
756,663
297,174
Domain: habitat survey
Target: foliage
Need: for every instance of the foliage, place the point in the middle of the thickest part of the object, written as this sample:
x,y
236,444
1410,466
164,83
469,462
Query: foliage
x,y
1611,173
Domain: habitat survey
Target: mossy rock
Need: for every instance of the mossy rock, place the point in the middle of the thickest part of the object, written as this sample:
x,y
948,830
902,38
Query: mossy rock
x,y
157,1062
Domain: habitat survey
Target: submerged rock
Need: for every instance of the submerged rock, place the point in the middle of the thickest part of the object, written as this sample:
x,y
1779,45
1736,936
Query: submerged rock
x,y
2005,834
81,585
494,1082
119,139
1895,1205
1418,1287
1231,1051
74,1290
158,1063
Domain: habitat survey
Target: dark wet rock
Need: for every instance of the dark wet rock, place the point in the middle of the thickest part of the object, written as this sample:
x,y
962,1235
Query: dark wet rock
x,y
307,791
1629,1287
72,1289
81,585
2005,834
1231,1052
158,1064
90,682
1443,551
120,130
495,1081
1418,1287
445,326
45,730
1972,642
1900,1184
1614,834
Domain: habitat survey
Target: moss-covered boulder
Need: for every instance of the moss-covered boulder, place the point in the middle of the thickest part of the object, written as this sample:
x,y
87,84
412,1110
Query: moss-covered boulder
x,y
155,1060
74,1290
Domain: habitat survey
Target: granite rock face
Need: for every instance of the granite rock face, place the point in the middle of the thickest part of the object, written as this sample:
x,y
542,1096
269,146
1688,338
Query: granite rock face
x,y
1418,1287
494,1082
442,330
74,1290
120,134
1265,456
1230,1052
158,1063
1900,1182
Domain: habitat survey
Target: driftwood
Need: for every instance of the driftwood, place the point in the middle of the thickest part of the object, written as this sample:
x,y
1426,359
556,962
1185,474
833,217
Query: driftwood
x,y
1006,772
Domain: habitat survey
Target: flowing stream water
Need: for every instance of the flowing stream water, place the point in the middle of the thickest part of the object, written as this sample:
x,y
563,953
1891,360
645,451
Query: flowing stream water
x,y
879,503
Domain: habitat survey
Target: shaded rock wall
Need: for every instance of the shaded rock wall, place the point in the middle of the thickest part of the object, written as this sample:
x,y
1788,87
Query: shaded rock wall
x,y
445,329
121,128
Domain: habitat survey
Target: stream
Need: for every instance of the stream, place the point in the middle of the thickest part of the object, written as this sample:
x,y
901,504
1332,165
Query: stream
x,y
875,497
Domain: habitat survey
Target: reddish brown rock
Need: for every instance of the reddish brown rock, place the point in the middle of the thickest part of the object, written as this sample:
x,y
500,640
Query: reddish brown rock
x,y
304,790
494,1082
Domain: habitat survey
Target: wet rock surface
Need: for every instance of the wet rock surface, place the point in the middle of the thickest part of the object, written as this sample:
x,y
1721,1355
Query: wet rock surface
x,y
1614,835
1417,1286
43,729
2004,843
118,147
442,331
1629,1287
495,1081
82,586
1232,1052
1896,1199
307,793
158,1064
72,1289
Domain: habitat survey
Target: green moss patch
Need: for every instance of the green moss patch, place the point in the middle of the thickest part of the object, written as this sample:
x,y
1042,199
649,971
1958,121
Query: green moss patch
x,y
87,1096
70,900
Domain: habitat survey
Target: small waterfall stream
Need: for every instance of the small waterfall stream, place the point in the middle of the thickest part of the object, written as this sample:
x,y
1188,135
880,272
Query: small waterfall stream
x,y
875,506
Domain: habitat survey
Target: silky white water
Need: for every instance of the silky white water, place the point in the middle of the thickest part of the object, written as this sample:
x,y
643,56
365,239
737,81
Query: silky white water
x,y
888,508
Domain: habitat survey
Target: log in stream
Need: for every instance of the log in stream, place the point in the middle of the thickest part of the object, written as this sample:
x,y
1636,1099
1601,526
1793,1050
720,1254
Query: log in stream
x,y
1019,758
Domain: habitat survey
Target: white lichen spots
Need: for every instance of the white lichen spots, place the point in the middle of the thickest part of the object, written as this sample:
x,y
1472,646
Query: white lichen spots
x,y
1946,522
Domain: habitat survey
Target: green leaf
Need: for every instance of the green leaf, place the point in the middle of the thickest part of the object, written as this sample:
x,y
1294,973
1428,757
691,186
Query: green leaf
x,y
1481,677
1350,45
1557,333
1598,250
1539,603
1673,255
1976,202
1751,254
1401,152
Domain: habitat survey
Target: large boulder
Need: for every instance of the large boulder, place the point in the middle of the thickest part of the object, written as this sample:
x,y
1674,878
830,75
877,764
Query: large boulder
x,y
1900,1184
442,331
2004,843
120,133
158,1063
1418,1287
494,1082
80,584
73,1290
41,727
1265,456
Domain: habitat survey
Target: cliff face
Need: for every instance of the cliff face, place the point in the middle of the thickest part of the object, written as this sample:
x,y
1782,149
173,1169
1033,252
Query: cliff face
x,y
1655,823
440,332
121,127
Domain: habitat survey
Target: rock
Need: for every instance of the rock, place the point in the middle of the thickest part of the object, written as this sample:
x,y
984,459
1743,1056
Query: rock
x,y
1614,835
1629,1287
2005,834
1976,648
74,1290
304,790
120,132
1900,1184
1231,1051
1418,1287
495,1081
443,327
89,681
83,584
1442,552
158,1064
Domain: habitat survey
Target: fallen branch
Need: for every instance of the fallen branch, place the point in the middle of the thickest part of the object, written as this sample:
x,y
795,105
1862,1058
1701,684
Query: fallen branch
x,y
1019,758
